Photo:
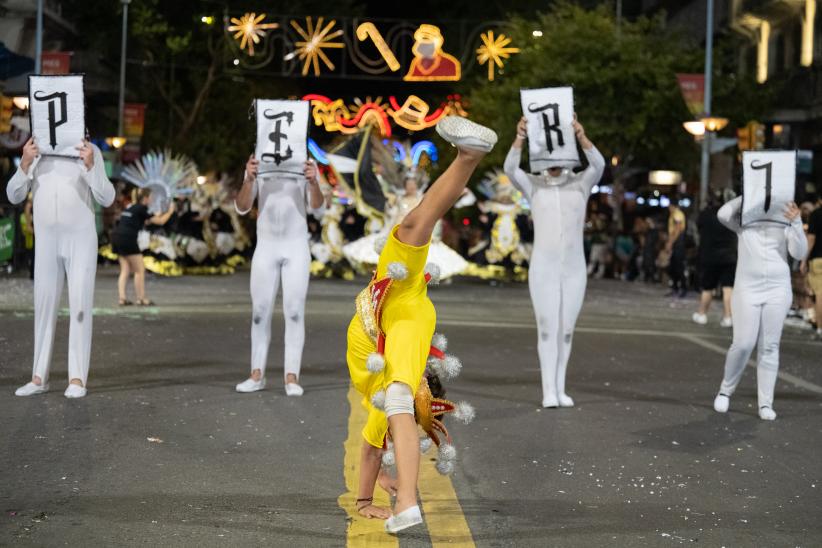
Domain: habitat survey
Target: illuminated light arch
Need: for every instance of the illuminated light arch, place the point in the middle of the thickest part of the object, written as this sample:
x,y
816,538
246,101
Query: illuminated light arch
x,y
317,152
367,112
399,150
423,147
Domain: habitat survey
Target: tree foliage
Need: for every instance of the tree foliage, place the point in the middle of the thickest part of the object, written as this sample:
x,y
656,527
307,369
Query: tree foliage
x,y
624,79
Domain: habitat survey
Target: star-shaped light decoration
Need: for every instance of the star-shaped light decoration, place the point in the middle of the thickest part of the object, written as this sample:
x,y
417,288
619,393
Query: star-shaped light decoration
x,y
249,29
315,38
493,51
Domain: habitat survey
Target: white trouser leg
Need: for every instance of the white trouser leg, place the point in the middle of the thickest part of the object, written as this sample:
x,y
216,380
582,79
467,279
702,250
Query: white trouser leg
x,y
747,318
49,273
81,267
573,294
770,333
546,301
265,281
295,274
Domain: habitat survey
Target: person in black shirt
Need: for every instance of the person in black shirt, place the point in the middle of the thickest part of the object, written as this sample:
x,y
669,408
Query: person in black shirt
x,y
124,243
813,261
717,264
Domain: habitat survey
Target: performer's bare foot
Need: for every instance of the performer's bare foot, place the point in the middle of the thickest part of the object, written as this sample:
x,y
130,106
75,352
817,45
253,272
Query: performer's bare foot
x,y
388,484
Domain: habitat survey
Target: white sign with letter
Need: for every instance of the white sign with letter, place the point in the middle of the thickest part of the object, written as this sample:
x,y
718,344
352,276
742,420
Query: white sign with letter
x,y
58,113
551,138
282,135
769,183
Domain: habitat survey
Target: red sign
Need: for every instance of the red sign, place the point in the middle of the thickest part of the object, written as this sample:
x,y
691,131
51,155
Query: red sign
x,y
55,62
134,116
692,87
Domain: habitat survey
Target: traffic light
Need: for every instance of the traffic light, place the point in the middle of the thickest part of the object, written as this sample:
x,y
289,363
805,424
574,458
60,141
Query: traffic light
x,y
6,108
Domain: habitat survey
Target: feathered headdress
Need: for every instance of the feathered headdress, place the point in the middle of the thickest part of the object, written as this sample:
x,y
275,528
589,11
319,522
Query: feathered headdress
x,y
167,176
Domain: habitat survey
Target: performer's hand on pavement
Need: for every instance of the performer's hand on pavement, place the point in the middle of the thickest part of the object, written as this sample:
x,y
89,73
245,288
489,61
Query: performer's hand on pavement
x,y
30,152
372,511
86,154
251,168
791,211
310,171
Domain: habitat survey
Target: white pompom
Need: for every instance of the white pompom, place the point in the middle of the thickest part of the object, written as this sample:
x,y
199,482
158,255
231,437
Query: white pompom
x,y
435,365
451,367
433,270
445,467
440,342
378,400
388,458
464,412
447,452
375,362
425,444
397,271
379,244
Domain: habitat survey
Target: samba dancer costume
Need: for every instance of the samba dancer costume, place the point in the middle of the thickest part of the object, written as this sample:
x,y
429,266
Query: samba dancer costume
x,y
391,337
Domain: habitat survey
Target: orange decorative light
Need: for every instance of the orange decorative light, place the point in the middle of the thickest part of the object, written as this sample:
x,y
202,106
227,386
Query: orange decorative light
x,y
249,29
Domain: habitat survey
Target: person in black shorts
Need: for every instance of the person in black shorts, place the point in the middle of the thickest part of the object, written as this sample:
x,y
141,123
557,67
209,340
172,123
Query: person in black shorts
x,y
124,244
717,263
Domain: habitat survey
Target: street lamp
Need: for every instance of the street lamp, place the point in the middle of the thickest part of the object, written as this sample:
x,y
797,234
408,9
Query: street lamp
x,y
122,102
705,167
695,127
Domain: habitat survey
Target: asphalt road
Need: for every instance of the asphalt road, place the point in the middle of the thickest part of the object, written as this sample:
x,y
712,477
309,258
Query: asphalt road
x,y
163,451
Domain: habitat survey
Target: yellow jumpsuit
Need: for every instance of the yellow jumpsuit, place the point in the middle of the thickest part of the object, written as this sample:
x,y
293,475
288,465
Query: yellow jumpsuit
x,y
408,321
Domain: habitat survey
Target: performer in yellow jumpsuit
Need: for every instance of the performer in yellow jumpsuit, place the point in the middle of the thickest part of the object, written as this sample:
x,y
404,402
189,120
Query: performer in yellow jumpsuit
x,y
390,337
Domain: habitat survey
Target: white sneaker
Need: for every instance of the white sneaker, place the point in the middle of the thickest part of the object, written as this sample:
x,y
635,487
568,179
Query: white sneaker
x,y
405,519
701,319
30,389
462,132
250,385
565,400
727,321
721,403
550,402
767,414
293,389
75,391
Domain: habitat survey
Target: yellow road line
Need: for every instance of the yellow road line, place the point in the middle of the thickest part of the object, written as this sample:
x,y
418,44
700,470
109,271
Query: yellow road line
x,y
361,531
443,514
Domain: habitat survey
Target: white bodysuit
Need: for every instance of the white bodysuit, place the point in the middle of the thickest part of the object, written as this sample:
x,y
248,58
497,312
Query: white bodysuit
x,y
557,274
762,297
66,246
282,253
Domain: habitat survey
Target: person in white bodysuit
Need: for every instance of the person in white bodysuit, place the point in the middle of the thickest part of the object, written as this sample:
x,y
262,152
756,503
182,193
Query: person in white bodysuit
x,y
282,253
66,247
556,276
761,300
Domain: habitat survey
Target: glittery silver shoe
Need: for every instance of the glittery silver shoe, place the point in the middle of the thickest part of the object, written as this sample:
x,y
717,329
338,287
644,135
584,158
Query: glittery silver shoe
x,y
462,132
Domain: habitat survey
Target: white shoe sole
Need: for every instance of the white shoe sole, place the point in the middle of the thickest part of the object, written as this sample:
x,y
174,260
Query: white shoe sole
x,y
462,132
405,519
